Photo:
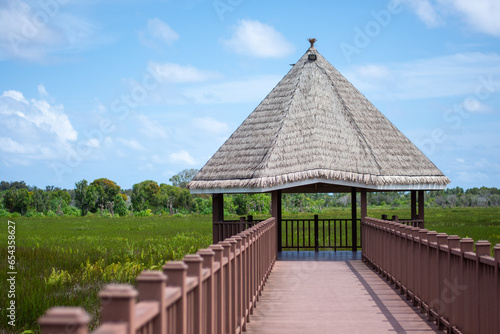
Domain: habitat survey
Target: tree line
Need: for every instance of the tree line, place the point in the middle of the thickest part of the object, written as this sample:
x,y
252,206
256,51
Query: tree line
x,y
106,198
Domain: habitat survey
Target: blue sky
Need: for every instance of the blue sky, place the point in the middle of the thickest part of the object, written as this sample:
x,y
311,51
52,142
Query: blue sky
x,y
137,90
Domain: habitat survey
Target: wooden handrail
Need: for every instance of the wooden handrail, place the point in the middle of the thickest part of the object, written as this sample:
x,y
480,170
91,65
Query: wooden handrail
x,y
455,287
211,292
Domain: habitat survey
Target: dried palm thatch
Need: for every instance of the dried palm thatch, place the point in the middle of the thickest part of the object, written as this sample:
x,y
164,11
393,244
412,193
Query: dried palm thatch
x,y
314,125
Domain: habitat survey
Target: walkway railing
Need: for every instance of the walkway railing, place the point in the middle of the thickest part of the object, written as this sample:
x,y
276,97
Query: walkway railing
x,y
454,286
318,233
409,221
213,291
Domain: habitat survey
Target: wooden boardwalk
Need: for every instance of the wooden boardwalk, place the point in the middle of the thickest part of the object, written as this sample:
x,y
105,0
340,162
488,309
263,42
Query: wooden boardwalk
x,y
331,293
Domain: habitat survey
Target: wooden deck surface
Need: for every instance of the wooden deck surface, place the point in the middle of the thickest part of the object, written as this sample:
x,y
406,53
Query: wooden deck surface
x,y
322,295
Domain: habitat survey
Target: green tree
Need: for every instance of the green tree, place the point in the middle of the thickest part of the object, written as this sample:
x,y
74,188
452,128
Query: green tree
x,y
144,195
120,207
183,178
18,200
85,196
106,193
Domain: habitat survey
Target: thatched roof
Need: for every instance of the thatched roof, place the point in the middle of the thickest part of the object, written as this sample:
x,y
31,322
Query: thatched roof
x,y
316,128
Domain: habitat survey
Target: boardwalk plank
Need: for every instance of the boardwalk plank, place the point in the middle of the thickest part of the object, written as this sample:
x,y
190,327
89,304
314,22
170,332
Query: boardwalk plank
x,y
332,297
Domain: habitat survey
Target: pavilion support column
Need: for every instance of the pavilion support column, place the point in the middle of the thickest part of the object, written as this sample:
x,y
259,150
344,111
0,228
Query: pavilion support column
x,y
421,208
413,205
364,213
354,224
276,213
217,216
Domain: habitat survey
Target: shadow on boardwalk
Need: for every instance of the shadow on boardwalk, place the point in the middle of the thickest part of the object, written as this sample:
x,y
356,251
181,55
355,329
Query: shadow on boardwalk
x,y
331,292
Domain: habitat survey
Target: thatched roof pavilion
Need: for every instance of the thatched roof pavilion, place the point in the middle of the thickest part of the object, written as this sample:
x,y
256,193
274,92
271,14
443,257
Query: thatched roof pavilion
x,y
315,132
315,127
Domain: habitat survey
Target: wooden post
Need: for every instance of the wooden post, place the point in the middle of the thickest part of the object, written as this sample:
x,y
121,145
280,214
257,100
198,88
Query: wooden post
x,y
176,272
413,195
354,226
217,216
151,286
208,257
276,213
364,213
70,320
241,227
421,207
118,305
195,265
316,233
220,298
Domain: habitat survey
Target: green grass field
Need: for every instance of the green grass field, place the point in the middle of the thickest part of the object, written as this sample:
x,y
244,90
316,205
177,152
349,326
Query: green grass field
x,y
67,260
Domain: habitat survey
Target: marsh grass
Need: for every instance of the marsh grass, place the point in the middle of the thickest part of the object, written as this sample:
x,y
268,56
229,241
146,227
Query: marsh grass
x,y
65,261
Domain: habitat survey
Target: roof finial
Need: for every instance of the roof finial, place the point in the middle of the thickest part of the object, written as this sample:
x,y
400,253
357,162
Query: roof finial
x,y
312,41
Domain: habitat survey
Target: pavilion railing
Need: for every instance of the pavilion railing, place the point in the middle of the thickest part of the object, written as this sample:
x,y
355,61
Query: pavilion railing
x,y
318,233
214,291
454,286
227,228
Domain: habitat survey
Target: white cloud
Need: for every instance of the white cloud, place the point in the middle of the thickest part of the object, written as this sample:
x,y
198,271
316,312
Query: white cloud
x,y
480,15
210,125
426,12
157,34
42,91
15,95
452,75
9,145
45,116
176,73
162,31
151,128
33,32
33,130
130,143
258,40
182,157
253,89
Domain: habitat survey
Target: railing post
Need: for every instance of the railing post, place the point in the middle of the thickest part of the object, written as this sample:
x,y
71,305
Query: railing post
x,y
176,272
239,282
316,233
227,286
220,298
151,286
209,305
354,219
118,305
467,311
241,226
194,263
384,217
483,248
68,320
